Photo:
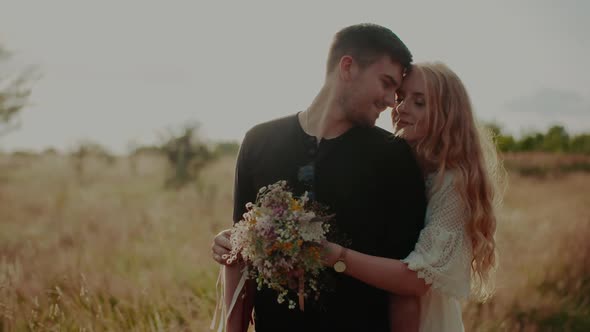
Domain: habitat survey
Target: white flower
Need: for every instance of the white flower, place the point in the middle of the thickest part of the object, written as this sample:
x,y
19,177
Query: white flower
x,y
311,231
307,216
264,224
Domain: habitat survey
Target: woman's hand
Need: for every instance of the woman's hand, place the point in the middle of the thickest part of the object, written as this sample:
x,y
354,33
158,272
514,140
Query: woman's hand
x,y
331,253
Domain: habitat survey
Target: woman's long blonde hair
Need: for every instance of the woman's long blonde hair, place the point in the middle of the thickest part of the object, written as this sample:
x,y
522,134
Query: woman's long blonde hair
x,y
455,141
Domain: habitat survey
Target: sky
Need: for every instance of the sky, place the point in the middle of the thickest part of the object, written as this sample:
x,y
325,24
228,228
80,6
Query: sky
x,y
120,73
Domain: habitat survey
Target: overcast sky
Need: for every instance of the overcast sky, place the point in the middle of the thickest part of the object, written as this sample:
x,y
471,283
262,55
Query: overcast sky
x,y
122,71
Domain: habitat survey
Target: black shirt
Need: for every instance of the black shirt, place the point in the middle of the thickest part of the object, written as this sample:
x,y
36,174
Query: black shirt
x,y
370,180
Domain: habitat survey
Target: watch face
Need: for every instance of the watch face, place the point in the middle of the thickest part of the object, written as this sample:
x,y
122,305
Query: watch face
x,y
339,266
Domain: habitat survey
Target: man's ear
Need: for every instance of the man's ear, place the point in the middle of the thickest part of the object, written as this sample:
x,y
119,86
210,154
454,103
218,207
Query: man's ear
x,y
348,68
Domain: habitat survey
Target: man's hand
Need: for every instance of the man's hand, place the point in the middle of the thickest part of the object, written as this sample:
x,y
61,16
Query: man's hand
x,y
221,246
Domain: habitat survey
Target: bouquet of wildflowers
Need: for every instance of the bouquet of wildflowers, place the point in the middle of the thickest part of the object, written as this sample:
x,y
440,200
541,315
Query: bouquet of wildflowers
x,y
280,239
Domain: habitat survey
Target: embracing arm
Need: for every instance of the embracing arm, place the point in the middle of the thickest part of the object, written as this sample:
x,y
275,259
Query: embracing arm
x,y
441,257
391,275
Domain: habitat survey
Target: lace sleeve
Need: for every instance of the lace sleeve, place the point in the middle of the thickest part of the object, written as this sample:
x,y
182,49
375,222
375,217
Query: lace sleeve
x,y
443,252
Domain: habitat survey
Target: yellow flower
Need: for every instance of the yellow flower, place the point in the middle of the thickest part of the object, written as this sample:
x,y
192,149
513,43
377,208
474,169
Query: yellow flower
x,y
295,206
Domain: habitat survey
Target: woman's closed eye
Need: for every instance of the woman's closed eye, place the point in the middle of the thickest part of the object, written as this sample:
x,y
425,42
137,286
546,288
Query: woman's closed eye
x,y
419,102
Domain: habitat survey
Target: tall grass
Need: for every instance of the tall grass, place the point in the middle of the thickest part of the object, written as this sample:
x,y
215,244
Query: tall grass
x,y
110,249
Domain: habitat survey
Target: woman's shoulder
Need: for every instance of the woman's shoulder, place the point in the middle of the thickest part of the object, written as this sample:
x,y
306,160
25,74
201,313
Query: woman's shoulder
x,y
436,181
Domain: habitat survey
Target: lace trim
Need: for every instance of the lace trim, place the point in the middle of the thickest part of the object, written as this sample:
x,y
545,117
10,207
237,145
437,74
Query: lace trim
x,y
425,274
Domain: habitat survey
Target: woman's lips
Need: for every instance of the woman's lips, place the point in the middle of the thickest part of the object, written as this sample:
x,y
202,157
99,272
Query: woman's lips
x,y
403,123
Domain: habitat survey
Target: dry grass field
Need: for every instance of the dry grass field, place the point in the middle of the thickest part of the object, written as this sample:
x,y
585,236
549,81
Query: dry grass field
x,y
103,246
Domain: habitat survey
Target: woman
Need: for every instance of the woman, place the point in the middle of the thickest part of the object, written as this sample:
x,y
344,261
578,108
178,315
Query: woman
x,y
455,255
456,252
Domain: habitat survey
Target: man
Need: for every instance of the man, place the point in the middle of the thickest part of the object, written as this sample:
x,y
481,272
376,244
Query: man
x,y
367,177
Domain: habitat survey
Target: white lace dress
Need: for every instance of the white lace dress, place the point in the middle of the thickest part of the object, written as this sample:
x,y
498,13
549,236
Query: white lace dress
x,y
442,258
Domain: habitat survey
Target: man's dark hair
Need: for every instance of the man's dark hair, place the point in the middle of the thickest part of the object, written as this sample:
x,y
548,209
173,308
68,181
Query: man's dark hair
x,y
366,43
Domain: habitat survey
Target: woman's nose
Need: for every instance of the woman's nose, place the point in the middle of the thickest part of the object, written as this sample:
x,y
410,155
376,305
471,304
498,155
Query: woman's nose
x,y
400,106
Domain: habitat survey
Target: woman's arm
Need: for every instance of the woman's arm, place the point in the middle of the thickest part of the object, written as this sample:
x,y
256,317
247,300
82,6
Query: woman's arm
x,y
388,274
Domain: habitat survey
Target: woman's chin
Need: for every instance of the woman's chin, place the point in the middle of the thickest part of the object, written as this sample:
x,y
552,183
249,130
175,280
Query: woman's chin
x,y
399,132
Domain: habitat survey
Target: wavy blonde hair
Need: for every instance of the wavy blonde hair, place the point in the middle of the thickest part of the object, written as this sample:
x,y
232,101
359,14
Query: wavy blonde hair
x,y
455,141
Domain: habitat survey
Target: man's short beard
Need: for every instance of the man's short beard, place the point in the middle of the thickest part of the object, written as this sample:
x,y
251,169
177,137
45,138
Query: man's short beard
x,y
358,118
354,113
348,110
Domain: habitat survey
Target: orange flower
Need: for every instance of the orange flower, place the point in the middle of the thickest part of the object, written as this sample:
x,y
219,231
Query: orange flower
x,y
315,252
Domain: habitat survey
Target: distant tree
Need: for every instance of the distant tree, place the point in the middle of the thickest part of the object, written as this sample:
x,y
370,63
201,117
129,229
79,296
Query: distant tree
x,y
86,149
50,152
580,144
556,140
503,142
226,148
506,143
14,94
530,142
187,154
146,149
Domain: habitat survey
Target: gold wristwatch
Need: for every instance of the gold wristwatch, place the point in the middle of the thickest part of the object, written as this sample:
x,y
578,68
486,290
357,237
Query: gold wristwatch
x,y
340,265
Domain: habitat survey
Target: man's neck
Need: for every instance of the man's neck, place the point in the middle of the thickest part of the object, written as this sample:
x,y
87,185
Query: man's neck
x,y
325,118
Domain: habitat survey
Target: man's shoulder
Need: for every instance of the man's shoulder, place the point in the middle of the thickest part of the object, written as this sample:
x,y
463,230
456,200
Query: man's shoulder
x,y
389,151
272,127
385,139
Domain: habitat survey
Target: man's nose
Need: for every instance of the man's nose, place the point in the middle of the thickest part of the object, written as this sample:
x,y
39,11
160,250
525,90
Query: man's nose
x,y
390,100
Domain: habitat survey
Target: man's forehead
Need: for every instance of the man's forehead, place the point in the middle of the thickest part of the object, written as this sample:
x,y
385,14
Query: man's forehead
x,y
387,66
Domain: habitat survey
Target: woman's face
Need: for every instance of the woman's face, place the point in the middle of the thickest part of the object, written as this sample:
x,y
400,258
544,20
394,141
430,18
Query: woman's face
x,y
409,113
